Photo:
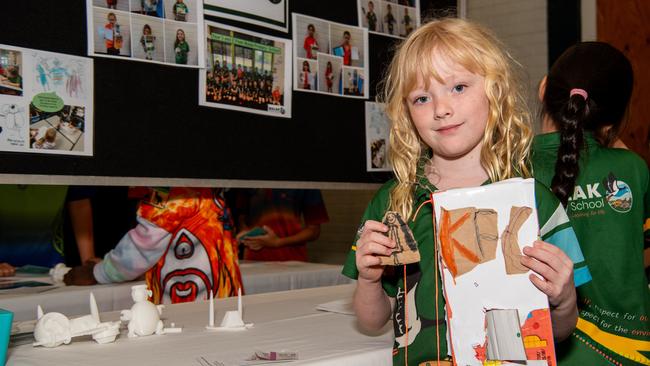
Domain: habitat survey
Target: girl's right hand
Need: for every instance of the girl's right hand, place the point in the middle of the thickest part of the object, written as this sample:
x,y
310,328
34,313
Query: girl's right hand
x,y
372,243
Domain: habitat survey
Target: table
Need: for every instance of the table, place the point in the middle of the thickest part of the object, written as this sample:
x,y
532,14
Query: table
x,y
282,320
258,277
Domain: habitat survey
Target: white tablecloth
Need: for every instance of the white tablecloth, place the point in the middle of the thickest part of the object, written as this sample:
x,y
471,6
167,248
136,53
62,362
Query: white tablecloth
x,y
282,321
258,277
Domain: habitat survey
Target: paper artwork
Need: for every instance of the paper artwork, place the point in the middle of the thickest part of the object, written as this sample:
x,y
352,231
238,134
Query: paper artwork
x,y
494,311
406,250
468,236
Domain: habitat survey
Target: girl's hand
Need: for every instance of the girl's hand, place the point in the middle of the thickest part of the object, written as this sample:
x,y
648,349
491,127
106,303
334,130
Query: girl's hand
x,y
372,243
556,271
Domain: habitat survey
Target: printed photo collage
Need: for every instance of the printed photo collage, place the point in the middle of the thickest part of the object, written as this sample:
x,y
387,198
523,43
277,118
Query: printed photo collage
x,y
159,31
394,18
46,102
246,71
329,58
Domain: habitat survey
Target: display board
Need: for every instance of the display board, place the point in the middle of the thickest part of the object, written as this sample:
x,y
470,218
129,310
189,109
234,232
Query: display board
x,y
148,121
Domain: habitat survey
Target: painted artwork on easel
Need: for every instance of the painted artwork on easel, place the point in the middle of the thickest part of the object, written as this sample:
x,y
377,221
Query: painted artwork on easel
x,y
495,312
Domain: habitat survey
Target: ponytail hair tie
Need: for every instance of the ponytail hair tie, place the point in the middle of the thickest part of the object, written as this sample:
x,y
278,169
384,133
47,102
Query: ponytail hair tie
x,y
580,92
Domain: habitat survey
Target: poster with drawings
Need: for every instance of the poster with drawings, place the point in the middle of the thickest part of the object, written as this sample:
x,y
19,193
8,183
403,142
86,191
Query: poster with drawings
x,y
156,31
46,102
329,58
377,138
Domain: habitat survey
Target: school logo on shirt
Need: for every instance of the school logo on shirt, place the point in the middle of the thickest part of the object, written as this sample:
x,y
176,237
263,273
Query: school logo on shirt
x,y
589,199
619,194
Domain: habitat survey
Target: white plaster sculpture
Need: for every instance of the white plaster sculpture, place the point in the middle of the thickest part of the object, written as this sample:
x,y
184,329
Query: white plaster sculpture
x,y
54,329
232,320
144,316
58,272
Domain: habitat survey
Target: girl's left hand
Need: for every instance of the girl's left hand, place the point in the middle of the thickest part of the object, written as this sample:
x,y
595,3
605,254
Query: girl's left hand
x,y
270,239
556,271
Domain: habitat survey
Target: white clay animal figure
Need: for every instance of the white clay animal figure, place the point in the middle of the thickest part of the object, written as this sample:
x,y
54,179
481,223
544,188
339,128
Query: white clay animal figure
x,y
54,329
144,316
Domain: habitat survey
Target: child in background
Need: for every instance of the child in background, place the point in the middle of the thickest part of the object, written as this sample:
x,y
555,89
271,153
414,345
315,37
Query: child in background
x,y
371,16
458,120
13,77
389,19
290,218
310,44
149,7
111,35
180,11
147,41
276,95
407,21
181,47
305,75
45,138
329,76
605,191
183,242
345,49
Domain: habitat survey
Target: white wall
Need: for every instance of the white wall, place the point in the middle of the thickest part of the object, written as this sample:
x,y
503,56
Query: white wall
x,y
521,26
588,20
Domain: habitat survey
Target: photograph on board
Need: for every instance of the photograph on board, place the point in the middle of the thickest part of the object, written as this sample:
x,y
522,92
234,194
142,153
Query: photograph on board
x,y
390,18
246,71
11,80
377,138
154,31
322,51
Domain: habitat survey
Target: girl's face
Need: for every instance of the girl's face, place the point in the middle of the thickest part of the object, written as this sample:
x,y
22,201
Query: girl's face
x,y
146,30
305,66
180,35
450,116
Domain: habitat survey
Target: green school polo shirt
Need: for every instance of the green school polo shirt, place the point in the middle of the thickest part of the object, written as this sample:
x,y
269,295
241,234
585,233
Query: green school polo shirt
x,y
426,326
608,209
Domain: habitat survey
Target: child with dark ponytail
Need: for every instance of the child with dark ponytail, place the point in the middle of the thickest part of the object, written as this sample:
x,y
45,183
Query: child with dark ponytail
x,y
605,193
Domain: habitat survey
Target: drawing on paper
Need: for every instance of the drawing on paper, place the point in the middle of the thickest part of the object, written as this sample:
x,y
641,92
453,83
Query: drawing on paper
x,y
60,75
406,250
510,243
468,237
